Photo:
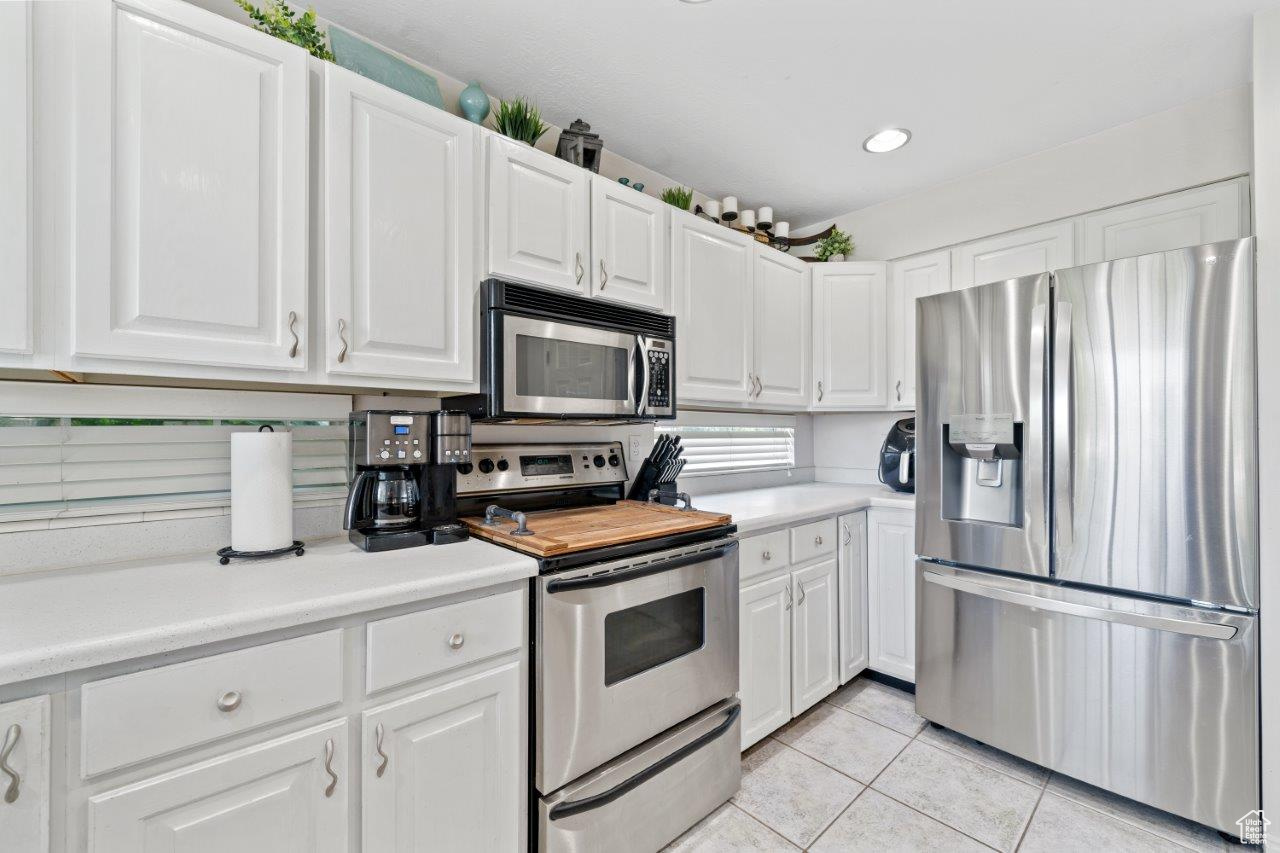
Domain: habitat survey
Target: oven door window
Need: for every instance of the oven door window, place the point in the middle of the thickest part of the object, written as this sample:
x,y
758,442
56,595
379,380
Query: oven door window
x,y
648,635
572,370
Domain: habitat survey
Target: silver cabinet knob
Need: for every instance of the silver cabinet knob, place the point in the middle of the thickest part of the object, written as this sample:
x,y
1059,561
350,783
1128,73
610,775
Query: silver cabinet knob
x,y
767,556
455,641
817,540
229,701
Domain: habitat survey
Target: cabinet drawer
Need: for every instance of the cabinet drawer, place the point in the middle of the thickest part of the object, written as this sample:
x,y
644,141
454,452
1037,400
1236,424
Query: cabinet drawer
x,y
761,554
405,648
813,540
146,714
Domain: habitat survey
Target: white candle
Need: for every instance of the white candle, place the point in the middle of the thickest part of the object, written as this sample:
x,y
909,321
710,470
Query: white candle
x,y
712,209
748,220
730,205
781,230
765,217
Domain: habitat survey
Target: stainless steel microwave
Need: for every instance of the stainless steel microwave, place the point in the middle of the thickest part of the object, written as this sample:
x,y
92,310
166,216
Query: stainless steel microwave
x,y
547,355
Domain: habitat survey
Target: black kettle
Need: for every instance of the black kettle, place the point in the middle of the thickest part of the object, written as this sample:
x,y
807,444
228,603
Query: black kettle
x,y
898,457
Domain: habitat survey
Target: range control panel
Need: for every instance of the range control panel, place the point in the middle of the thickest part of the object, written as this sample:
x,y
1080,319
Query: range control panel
x,y
522,467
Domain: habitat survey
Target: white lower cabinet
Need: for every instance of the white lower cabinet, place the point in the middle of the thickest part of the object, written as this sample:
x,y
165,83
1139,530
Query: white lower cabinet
x,y
891,599
288,794
764,657
24,775
852,587
814,635
442,770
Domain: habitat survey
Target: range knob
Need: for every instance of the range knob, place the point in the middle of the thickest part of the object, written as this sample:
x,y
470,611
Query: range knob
x,y
614,461
503,465
386,454
598,461
486,466
464,468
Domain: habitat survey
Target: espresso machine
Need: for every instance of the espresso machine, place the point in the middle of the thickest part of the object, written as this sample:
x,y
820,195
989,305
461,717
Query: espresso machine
x,y
403,470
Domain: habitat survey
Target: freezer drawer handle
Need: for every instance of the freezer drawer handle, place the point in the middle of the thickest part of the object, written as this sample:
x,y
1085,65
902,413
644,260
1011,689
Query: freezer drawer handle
x,y
591,581
1140,620
586,804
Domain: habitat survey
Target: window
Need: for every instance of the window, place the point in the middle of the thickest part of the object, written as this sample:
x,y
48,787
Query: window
x,y
733,449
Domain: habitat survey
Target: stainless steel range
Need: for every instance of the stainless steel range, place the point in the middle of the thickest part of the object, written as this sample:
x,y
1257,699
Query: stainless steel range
x,y
635,654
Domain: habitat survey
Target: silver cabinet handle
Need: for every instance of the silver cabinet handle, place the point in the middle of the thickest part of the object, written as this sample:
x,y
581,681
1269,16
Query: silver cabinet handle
x,y
455,641
848,534
229,701
767,556
577,264
801,601
751,385
10,741
899,390
759,385
293,322
604,275
380,732
328,768
788,606
819,390
342,328
817,540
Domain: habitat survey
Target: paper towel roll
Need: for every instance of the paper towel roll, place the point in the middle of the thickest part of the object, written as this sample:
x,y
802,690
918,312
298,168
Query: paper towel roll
x,y
261,490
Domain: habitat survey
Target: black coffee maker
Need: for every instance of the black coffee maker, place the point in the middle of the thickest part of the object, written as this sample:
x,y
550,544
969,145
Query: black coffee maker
x,y
403,470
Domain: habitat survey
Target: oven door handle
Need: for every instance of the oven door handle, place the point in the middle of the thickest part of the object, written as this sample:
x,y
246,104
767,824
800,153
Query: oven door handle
x,y
586,804
591,581
642,398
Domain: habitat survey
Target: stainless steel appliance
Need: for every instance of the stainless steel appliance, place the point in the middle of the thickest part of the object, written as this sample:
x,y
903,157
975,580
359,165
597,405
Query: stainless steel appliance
x,y
635,654
1087,525
403,472
547,355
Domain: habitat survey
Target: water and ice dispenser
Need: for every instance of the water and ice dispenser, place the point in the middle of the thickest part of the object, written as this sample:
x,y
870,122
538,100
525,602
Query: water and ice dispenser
x,y
982,469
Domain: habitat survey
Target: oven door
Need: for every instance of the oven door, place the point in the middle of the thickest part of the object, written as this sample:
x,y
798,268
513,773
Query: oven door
x,y
627,650
557,368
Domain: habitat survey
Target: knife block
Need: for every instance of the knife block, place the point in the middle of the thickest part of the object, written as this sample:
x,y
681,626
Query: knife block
x,y
647,480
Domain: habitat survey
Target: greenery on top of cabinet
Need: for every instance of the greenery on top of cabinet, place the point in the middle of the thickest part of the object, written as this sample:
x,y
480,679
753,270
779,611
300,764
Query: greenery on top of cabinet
x,y
279,20
519,120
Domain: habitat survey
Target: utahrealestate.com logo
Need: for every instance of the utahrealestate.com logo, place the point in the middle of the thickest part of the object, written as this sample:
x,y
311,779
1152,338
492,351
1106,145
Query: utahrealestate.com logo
x,y
1253,827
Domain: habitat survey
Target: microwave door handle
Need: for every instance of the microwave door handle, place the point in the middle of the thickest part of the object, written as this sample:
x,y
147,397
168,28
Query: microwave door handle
x,y
642,399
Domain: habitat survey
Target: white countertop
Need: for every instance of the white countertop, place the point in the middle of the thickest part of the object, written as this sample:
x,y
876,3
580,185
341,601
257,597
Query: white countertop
x,y
761,509
62,621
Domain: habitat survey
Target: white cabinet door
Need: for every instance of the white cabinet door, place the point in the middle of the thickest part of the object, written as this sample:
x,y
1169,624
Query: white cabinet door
x,y
782,318
1202,215
923,275
1018,253
892,593
24,771
628,245
443,770
815,642
288,795
399,189
17,282
848,335
714,306
852,587
764,657
191,188
538,217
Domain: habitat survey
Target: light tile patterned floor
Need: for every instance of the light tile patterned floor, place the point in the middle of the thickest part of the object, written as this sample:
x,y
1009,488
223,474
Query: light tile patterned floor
x,y
861,772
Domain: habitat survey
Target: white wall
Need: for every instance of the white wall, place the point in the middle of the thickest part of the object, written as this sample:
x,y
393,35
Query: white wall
x,y
1199,142
846,447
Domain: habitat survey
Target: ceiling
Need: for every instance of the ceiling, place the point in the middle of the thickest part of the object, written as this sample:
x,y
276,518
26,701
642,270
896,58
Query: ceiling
x,y
771,99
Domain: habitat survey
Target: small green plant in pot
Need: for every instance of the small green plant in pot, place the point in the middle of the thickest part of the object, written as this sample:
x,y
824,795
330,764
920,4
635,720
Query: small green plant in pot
x,y
279,20
836,246
680,197
520,120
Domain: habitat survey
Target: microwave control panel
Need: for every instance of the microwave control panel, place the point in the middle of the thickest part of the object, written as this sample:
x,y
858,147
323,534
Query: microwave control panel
x,y
661,380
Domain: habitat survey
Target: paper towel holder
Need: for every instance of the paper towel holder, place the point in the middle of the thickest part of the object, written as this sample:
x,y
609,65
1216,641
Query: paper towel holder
x,y
226,555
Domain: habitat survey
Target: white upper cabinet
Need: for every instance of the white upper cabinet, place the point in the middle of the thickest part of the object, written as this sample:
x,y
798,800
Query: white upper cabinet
x,y
714,306
287,795
443,769
1203,215
24,779
922,275
628,245
399,189
814,635
1018,253
849,335
17,280
190,190
782,318
539,222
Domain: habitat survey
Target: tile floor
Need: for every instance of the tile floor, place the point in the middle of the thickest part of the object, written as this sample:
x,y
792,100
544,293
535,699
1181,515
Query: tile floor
x,y
861,771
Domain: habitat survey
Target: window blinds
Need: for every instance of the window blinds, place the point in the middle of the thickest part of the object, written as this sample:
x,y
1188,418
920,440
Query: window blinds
x,y
728,449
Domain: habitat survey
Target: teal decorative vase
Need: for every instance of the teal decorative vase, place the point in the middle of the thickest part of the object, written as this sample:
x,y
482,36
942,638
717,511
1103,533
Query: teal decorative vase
x,y
474,103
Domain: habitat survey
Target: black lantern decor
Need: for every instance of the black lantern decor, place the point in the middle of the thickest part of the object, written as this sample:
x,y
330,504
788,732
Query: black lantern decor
x,y
580,146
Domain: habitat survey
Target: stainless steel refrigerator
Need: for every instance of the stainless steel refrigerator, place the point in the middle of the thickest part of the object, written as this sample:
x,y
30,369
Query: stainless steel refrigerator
x,y
1087,524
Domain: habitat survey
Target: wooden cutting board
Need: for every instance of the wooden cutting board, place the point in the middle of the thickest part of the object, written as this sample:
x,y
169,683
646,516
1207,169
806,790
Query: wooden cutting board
x,y
564,531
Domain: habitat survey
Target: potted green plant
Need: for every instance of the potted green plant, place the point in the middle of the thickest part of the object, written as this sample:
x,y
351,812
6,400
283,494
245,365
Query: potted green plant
x,y
680,197
836,246
519,120
279,20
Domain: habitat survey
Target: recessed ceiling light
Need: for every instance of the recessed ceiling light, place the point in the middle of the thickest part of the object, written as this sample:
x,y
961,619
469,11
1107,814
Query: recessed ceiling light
x,y
884,141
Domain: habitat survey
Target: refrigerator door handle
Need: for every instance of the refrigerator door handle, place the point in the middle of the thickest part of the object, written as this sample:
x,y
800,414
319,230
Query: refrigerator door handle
x,y
1036,496
1208,630
1063,405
